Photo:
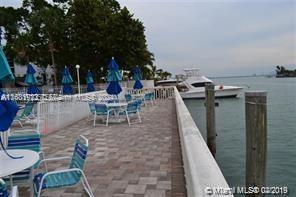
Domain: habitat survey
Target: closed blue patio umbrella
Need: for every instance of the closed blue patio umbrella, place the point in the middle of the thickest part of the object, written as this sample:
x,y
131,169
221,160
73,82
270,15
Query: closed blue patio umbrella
x,y
114,77
31,81
137,78
90,82
66,81
5,71
8,108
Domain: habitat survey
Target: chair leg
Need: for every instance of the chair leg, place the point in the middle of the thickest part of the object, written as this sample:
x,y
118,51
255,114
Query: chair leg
x,y
128,120
20,123
40,189
152,102
140,120
95,116
86,186
107,120
44,163
31,182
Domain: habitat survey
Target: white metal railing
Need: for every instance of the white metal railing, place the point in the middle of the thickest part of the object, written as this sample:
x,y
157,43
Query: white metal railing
x,y
47,89
202,173
66,110
83,87
54,115
159,92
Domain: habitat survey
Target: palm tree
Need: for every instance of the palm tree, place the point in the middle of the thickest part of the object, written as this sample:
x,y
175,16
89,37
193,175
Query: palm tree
x,y
162,75
166,75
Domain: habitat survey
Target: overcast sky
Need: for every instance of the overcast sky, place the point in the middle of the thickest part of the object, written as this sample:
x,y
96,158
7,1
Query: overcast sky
x,y
229,37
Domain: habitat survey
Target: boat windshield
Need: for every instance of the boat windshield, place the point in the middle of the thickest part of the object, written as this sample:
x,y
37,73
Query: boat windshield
x,y
199,85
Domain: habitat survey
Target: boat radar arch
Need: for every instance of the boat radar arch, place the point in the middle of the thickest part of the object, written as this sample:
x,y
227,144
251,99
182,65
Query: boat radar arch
x,y
192,72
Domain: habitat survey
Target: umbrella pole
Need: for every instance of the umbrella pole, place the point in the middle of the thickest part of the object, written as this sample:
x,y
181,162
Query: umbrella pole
x,y
4,138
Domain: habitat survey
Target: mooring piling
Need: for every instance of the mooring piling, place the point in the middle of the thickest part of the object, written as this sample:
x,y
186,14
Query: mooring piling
x,y
210,117
256,139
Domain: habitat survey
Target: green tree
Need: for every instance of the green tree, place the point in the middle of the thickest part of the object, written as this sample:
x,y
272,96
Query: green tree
x,y
162,75
70,32
12,21
48,26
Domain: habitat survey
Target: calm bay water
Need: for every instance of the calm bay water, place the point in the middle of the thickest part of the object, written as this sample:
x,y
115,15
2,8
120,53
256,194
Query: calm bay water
x,y
230,125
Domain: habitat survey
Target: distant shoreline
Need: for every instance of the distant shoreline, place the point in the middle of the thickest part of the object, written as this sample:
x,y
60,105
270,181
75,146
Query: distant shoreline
x,y
240,76
285,76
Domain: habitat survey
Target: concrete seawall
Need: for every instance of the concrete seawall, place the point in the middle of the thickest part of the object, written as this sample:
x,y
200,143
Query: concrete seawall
x,y
202,173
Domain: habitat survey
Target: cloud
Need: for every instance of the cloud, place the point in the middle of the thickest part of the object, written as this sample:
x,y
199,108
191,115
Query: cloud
x,y
220,37
12,3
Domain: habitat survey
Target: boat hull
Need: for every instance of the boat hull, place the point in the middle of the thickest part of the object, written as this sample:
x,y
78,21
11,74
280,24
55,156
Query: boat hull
x,y
225,92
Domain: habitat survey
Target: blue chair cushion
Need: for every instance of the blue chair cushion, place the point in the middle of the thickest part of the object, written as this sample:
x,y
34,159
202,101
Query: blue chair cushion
x,y
57,180
101,109
27,141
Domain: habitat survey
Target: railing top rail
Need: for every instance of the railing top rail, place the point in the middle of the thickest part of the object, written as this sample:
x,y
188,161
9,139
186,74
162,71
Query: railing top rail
x,y
157,87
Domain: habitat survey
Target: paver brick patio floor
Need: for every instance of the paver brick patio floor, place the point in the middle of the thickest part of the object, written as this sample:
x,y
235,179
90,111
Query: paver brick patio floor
x,y
125,161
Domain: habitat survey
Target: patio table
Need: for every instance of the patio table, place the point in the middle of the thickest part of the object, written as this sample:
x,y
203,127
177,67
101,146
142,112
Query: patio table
x,y
138,96
117,108
116,105
10,166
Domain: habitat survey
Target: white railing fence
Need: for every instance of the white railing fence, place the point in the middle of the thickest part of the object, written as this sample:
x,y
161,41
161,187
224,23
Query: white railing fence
x,y
52,116
159,92
55,115
46,89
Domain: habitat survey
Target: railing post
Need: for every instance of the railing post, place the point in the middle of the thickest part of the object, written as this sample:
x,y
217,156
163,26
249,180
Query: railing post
x,y
256,139
38,116
210,118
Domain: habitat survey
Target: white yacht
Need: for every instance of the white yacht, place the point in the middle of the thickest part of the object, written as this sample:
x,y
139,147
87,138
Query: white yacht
x,y
194,86
167,82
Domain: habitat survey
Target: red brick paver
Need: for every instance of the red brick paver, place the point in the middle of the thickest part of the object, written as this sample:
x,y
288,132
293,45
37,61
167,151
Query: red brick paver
x,y
141,160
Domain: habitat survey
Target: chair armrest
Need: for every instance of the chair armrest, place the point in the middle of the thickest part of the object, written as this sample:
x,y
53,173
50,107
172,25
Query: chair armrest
x,y
54,159
51,159
57,172
60,171
24,130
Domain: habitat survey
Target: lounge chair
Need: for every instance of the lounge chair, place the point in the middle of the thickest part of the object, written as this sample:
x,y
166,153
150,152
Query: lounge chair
x,y
26,114
92,109
128,97
133,108
4,191
149,98
139,102
25,139
67,177
102,111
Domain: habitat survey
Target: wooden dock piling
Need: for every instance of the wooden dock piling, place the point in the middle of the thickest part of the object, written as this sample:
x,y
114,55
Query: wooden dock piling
x,y
210,117
256,139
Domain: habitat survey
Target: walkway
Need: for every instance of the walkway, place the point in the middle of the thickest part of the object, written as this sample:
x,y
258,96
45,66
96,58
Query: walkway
x,y
140,160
